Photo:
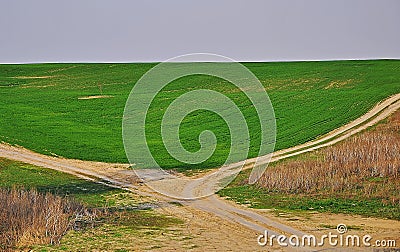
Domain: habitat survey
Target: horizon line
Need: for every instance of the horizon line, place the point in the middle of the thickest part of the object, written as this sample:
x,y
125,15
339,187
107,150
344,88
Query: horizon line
x,y
155,62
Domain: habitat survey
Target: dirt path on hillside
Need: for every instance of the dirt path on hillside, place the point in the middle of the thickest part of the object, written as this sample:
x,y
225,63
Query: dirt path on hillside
x,y
210,217
381,111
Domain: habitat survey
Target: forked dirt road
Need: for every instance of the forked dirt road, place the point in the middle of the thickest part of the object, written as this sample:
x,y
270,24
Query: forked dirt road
x,y
216,223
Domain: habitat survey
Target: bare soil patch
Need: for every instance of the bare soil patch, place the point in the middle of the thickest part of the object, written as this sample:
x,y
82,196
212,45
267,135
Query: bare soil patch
x,y
33,77
94,97
339,83
41,86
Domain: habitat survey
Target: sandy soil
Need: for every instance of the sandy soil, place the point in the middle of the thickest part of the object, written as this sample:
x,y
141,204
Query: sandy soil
x,y
94,97
33,77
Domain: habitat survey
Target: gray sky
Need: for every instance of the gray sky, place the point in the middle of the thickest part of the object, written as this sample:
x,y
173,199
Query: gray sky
x,y
150,30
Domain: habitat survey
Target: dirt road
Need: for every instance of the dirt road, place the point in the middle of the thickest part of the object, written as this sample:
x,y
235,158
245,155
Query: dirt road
x,y
211,213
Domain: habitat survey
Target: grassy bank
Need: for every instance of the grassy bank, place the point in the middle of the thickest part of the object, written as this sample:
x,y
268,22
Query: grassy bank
x,y
126,221
41,109
357,176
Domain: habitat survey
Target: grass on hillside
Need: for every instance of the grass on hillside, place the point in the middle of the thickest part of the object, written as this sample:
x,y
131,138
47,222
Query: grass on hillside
x,y
126,219
21,175
357,176
41,110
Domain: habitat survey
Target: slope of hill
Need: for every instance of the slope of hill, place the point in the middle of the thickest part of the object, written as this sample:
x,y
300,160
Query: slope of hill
x,y
75,110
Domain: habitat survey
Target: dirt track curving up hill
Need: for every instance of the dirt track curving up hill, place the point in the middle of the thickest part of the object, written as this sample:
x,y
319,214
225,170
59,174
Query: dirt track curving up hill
x,y
215,223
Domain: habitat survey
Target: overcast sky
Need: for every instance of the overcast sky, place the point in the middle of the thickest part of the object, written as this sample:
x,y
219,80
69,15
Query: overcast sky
x,y
150,30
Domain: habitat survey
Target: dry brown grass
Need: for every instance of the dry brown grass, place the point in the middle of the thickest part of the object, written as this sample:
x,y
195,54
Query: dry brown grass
x,y
367,165
28,217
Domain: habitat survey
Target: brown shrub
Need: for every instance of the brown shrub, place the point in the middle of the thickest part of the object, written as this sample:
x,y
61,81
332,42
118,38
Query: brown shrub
x,y
368,163
28,217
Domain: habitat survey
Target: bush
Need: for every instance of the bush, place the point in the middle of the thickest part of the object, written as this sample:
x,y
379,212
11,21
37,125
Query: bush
x,y
367,164
28,217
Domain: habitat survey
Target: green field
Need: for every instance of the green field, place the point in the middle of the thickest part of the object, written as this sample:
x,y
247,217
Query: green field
x,y
40,109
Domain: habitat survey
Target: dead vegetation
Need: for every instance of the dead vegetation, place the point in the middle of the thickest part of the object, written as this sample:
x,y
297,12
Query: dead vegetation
x,y
28,217
339,83
366,165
